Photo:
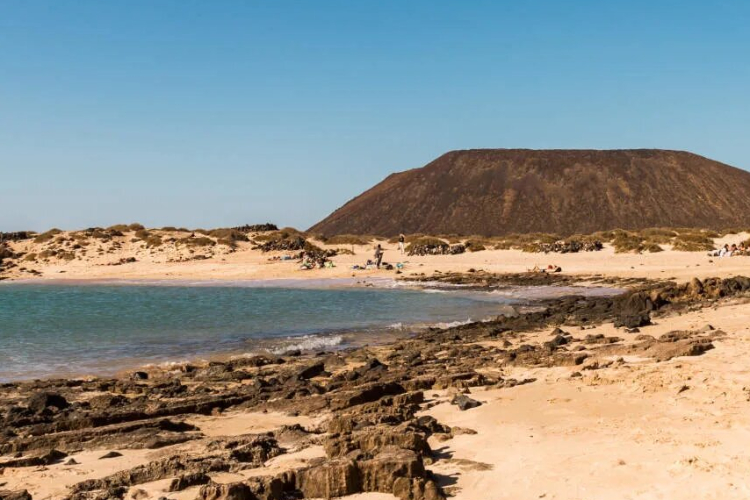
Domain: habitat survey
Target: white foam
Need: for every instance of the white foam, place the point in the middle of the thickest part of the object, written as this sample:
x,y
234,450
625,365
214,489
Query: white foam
x,y
310,343
454,324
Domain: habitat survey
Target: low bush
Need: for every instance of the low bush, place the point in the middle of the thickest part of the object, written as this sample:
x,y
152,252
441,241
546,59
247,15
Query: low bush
x,y
695,241
257,228
153,241
200,241
657,232
690,245
47,236
349,239
66,255
477,244
627,242
652,247
46,254
228,234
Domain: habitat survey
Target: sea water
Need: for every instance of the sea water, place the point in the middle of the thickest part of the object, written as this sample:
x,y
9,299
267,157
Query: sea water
x,y
63,329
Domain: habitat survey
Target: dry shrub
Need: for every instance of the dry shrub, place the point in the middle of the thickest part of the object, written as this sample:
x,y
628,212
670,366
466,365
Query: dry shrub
x,y
281,234
119,227
142,234
652,247
229,235
47,235
606,236
66,255
30,257
200,241
658,232
349,239
523,241
692,232
408,238
503,245
627,242
153,241
477,244
693,243
46,254
135,226
455,238
428,241
293,231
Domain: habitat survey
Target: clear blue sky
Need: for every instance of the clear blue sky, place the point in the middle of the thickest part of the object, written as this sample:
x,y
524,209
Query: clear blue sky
x,y
217,113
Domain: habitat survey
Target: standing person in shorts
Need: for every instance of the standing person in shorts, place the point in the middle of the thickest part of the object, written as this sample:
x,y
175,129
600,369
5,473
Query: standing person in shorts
x,y
401,242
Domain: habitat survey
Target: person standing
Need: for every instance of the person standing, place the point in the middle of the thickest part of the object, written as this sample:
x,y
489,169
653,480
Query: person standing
x,y
401,242
378,255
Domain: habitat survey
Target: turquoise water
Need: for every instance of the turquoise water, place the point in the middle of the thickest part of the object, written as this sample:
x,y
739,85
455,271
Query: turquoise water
x,y
53,329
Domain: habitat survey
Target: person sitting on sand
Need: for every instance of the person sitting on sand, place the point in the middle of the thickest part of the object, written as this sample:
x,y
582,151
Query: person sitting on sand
x,y
733,250
723,251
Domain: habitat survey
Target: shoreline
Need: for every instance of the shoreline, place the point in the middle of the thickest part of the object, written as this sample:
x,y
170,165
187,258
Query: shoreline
x,y
74,255
420,405
510,299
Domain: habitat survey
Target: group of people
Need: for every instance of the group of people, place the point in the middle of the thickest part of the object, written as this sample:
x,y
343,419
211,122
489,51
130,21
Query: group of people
x,y
732,250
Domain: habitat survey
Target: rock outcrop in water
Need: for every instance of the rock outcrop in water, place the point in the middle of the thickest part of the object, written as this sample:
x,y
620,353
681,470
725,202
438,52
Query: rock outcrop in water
x,y
500,191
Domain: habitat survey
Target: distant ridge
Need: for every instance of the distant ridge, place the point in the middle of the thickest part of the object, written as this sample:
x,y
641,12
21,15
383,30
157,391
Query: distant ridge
x,y
501,191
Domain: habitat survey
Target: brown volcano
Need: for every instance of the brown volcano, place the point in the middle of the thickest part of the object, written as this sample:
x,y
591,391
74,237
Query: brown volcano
x,y
501,191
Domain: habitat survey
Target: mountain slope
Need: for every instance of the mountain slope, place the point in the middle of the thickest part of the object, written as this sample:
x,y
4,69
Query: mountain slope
x,y
501,191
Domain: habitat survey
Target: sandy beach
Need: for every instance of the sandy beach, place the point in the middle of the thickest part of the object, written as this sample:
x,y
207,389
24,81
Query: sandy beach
x,y
629,412
171,262
584,411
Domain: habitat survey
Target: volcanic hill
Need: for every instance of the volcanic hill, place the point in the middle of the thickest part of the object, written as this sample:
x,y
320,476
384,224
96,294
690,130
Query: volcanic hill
x,y
500,191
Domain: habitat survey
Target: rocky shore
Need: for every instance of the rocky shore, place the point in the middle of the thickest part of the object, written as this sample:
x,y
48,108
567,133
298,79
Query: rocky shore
x,y
362,422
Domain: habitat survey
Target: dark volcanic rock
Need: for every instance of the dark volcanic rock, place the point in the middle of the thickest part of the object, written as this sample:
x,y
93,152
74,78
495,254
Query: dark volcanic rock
x,y
465,402
14,495
43,400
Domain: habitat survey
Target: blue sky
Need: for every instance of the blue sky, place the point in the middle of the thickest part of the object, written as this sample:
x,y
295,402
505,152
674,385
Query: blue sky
x,y
219,113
